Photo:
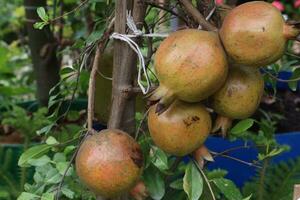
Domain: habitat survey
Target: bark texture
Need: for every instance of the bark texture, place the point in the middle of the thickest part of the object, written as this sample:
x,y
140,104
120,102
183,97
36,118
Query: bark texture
x,y
122,115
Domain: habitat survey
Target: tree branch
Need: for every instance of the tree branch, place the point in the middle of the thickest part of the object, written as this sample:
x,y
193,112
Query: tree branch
x,y
91,92
193,12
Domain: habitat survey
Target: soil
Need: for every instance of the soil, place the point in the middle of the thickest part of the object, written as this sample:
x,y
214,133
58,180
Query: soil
x,y
287,104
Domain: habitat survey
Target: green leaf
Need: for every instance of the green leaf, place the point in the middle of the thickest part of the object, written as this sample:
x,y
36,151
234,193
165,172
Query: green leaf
x,y
48,196
51,141
32,153
296,75
53,176
62,167
45,130
67,192
154,183
242,126
228,188
66,70
39,161
248,198
39,25
28,196
160,159
192,182
177,184
42,14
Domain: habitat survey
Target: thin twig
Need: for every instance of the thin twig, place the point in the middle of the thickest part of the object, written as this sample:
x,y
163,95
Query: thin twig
x,y
197,16
91,91
291,54
153,4
279,79
231,149
140,124
69,165
236,159
205,178
70,12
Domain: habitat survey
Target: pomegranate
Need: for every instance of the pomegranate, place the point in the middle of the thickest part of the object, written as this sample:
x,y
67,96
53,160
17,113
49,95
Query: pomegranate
x,y
190,65
239,97
139,191
109,162
181,129
255,33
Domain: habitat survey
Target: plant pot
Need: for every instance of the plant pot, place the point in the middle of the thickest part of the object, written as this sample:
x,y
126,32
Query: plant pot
x,y
284,75
239,172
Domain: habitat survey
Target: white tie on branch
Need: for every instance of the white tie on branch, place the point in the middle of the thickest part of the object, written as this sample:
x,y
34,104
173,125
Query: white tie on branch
x,y
135,47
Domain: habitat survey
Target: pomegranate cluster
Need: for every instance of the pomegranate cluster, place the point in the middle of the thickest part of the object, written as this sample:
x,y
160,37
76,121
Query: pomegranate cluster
x,y
221,69
199,72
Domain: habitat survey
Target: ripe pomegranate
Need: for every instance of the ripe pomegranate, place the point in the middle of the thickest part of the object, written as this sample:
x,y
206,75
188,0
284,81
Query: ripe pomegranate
x,y
255,33
181,129
109,162
190,65
239,97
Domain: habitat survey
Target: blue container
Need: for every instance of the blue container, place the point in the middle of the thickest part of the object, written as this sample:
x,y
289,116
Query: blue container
x,y
285,75
240,173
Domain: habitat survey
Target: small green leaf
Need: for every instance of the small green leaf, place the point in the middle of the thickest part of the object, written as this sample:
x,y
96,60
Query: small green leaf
x,y
228,188
160,159
296,75
67,192
45,130
192,182
32,153
242,126
42,14
48,196
53,176
51,141
39,161
28,196
178,184
69,149
39,25
62,167
154,183
248,198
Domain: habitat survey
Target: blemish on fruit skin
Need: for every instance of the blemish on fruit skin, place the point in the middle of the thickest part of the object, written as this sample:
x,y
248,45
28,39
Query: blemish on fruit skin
x,y
190,120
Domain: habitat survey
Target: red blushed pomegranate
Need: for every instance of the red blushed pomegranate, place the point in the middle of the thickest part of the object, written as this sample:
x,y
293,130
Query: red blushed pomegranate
x,y
109,163
239,97
181,129
190,65
255,34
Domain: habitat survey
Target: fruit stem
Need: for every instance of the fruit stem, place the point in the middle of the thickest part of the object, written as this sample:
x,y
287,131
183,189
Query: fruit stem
x,y
290,31
165,102
222,123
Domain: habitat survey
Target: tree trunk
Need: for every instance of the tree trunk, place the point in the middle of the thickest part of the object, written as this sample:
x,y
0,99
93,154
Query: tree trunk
x,y
122,115
43,52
